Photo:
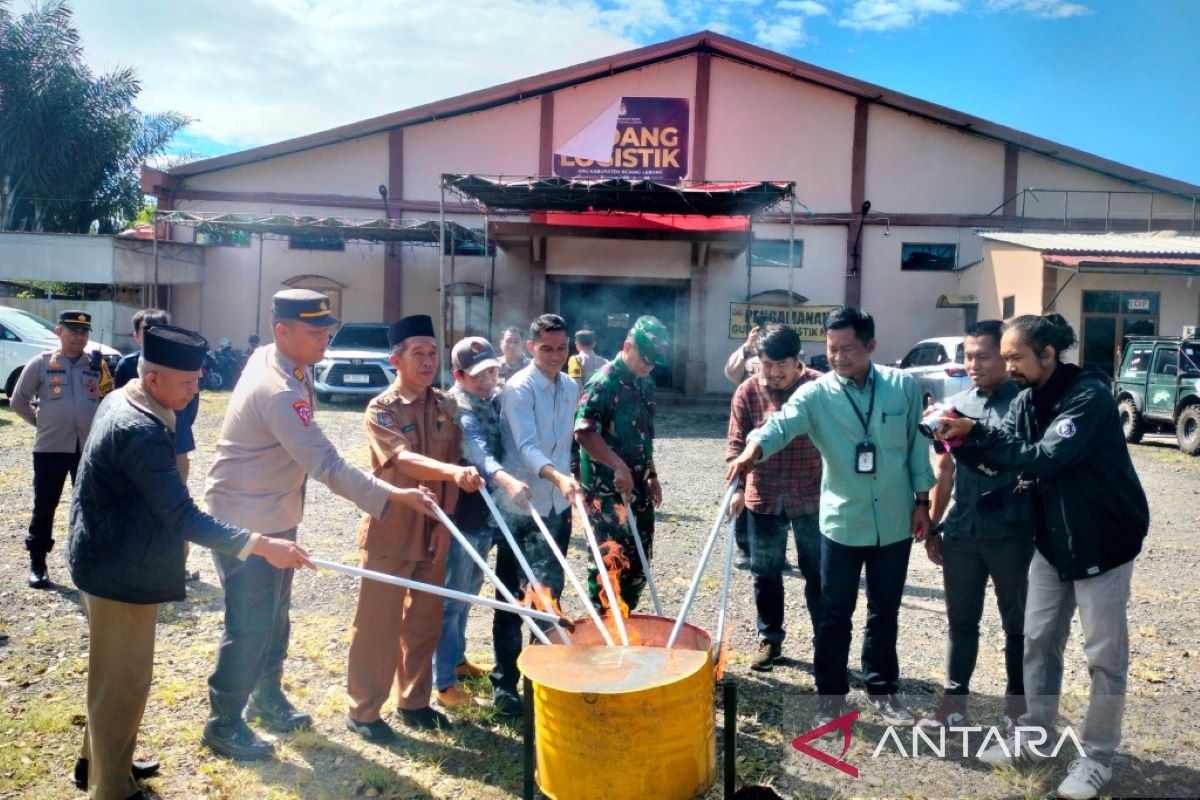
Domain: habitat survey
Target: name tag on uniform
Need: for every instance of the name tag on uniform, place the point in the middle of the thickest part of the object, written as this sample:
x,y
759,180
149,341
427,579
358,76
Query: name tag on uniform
x,y
408,428
864,458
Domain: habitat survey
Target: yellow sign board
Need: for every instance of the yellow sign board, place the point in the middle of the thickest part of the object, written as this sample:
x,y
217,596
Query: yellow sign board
x,y
809,321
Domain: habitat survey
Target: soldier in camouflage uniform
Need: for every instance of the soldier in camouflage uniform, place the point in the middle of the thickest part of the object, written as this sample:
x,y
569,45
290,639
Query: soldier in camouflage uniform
x,y
615,430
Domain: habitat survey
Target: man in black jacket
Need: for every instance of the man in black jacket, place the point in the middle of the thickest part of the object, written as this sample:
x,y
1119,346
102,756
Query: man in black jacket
x,y
1064,433
130,517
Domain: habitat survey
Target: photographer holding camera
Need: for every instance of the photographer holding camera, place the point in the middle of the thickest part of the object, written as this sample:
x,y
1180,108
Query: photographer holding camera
x,y
984,532
1064,433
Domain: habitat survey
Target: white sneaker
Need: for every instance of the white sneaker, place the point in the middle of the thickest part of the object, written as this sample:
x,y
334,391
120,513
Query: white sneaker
x,y
1084,778
1005,753
892,709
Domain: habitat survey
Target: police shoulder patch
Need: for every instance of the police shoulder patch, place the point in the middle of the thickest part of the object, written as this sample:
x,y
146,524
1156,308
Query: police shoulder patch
x,y
1065,429
303,411
385,419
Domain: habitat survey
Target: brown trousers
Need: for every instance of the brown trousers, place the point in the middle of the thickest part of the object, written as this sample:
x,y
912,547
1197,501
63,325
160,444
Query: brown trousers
x,y
120,664
394,636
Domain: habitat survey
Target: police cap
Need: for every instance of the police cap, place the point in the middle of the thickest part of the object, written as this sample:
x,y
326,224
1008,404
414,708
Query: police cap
x,y
76,320
304,305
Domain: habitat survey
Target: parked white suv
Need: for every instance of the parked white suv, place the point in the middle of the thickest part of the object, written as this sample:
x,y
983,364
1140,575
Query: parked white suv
x,y
356,362
937,365
23,335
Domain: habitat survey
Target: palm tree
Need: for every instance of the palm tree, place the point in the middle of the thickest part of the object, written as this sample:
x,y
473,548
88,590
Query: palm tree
x,y
71,143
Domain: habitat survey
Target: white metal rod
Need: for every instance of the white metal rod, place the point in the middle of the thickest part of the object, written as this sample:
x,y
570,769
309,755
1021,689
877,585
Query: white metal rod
x,y
641,551
708,548
516,548
491,576
570,573
729,544
442,591
613,608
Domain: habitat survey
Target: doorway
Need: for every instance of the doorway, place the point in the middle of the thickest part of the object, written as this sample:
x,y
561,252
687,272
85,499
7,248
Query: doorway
x,y
1108,317
610,307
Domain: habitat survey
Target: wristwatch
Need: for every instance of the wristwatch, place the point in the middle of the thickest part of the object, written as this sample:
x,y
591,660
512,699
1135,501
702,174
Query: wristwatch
x,y
921,501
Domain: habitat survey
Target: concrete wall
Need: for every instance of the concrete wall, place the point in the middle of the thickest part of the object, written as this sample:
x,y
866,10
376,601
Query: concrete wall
x,y
764,126
1039,172
354,168
922,167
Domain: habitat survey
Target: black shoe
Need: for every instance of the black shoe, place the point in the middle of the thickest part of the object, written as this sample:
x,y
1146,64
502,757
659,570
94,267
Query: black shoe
x,y
141,771
39,576
768,653
425,719
276,712
145,794
741,560
377,731
234,739
507,703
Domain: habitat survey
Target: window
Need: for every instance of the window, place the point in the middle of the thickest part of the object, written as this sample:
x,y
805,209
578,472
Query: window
x,y
8,335
1191,359
924,355
307,241
469,246
1166,361
774,253
928,256
1136,362
1010,307
1108,318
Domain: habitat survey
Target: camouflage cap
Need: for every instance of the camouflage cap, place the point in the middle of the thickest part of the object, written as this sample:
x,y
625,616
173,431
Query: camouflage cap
x,y
650,337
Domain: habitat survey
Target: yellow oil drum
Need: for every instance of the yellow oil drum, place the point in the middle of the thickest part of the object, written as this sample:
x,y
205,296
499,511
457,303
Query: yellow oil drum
x,y
624,722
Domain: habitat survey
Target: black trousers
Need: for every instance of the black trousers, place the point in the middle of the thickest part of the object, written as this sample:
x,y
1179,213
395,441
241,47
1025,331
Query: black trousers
x,y
50,472
507,627
841,568
968,565
768,554
258,598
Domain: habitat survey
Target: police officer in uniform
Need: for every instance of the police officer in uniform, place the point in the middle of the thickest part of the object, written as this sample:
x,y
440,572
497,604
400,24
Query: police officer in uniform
x,y
68,385
270,443
615,430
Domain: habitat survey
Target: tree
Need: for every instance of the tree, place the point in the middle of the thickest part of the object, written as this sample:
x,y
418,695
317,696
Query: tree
x,y
71,143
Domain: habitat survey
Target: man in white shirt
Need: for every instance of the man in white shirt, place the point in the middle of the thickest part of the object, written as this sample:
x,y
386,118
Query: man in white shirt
x,y
538,422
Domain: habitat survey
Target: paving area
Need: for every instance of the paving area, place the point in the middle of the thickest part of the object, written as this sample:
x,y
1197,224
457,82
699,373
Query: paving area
x,y
43,657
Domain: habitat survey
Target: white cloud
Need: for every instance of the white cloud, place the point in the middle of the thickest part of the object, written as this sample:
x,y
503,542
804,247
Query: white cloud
x,y
809,8
780,33
1045,9
264,70
885,15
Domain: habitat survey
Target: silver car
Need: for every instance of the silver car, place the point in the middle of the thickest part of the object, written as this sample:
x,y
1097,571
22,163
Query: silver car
x,y
356,362
937,365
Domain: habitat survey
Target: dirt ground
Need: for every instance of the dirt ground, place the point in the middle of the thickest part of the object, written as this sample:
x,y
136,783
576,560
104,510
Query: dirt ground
x,y
43,658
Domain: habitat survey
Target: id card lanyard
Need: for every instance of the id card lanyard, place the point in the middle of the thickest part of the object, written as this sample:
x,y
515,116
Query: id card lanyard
x,y
864,451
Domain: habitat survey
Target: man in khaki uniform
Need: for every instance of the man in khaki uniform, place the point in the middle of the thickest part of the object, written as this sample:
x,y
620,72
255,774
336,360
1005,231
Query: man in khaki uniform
x,y
414,436
68,387
269,444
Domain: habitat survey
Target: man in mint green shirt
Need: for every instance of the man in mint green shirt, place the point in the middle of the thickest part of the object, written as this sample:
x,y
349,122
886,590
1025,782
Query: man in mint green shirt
x,y
876,477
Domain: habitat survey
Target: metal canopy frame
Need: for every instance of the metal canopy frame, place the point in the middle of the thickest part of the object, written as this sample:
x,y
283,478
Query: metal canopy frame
x,y
500,195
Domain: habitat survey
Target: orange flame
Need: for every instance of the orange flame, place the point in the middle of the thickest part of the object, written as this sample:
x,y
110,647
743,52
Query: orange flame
x,y
541,598
723,654
616,563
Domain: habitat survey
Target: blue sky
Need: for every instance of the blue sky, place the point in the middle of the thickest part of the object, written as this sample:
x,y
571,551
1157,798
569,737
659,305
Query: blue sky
x,y
1114,78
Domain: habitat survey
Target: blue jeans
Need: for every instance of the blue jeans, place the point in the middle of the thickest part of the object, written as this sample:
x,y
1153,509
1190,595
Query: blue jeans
x,y
841,568
463,575
768,554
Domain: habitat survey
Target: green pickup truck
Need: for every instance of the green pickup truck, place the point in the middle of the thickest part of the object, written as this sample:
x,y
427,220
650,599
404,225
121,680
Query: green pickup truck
x,y
1158,389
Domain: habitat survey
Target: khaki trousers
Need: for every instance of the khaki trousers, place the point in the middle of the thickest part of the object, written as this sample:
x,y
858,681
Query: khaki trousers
x,y
394,636
120,664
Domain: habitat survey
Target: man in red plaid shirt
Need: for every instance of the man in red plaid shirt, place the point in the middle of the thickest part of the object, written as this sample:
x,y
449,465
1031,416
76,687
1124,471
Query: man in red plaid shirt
x,y
783,491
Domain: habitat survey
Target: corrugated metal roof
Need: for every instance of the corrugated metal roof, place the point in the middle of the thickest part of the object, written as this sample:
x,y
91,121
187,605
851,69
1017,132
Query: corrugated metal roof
x,y
1134,244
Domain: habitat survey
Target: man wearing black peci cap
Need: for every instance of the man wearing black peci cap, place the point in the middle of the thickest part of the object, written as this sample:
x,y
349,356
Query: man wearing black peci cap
x,y
126,564
68,386
270,444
